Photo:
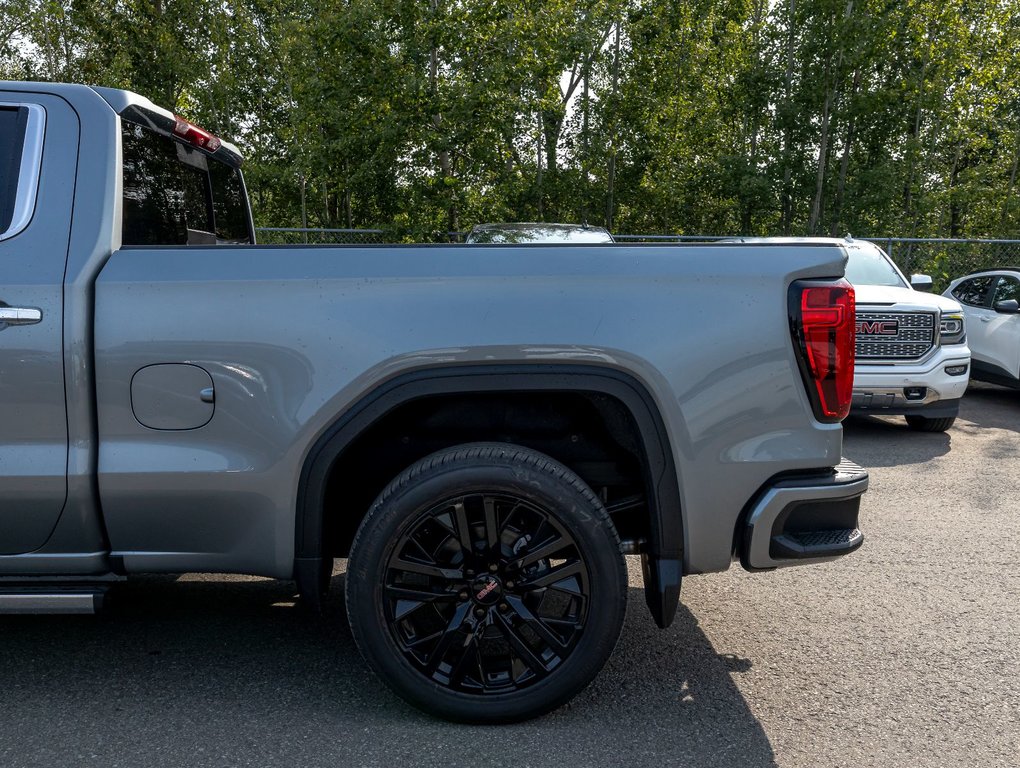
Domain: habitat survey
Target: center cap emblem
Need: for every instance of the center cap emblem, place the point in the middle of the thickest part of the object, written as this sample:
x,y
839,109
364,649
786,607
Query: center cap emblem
x,y
486,589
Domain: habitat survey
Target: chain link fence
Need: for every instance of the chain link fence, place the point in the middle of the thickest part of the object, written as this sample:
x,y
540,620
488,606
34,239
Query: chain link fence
x,y
316,236
947,259
944,259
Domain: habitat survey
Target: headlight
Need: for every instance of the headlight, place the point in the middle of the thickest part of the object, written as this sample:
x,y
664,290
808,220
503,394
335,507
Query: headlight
x,y
951,330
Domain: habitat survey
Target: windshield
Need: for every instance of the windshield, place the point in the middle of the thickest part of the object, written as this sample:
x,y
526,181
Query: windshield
x,y
868,265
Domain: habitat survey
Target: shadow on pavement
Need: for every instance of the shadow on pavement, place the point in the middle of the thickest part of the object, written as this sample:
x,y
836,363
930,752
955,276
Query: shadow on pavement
x,y
887,441
229,672
988,405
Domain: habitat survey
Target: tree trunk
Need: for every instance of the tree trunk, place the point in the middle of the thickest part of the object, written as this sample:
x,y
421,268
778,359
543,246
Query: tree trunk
x,y
1012,184
844,163
552,127
304,208
611,170
823,154
835,73
346,196
538,165
915,133
332,207
955,209
786,222
584,144
443,154
752,157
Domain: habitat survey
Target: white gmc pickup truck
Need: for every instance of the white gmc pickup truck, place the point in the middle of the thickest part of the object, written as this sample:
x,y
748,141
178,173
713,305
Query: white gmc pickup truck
x,y
911,355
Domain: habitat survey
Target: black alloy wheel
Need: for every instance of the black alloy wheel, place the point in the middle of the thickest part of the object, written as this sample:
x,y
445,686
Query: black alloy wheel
x,y
486,584
486,593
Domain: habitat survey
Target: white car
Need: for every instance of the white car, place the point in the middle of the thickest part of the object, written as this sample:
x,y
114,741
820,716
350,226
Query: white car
x,y
912,356
991,303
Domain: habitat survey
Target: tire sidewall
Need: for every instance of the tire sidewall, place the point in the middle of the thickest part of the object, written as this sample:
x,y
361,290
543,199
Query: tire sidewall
x,y
395,514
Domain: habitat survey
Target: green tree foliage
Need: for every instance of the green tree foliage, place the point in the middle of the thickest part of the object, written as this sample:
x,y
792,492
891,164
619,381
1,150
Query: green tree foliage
x,y
690,116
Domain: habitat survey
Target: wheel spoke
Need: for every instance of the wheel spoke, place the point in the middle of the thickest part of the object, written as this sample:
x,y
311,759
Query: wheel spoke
x,y
509,516
468,658
447,639
426,569
491,523
520,646
534,623
463,529
422,640
553,576
417,594
545,551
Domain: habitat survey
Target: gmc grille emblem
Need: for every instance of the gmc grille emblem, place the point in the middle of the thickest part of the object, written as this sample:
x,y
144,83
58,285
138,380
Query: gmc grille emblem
x,y
878,327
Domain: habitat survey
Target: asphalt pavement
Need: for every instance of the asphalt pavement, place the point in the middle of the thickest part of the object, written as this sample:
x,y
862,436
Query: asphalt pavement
x,y
907,653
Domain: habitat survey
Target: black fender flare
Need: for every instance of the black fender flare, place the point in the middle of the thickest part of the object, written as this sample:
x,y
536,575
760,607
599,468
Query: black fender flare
x,y
662,561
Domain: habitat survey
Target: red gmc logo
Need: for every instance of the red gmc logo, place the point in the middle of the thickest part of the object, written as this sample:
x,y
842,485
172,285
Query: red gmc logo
x,y
486,589
878,327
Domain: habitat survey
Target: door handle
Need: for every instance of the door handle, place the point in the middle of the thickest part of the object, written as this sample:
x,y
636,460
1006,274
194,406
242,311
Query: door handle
x,y
20,315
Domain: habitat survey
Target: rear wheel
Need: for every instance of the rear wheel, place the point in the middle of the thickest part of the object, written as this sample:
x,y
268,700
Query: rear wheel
x,y
486,584
925,424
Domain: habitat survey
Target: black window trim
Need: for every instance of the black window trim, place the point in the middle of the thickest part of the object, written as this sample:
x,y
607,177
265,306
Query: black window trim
x,y
30,169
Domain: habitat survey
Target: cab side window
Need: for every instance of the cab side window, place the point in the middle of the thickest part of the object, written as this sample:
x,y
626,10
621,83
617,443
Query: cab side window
x,y
12,137
1008,288
975,291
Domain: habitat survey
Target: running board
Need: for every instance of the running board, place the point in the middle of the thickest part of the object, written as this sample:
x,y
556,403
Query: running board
x,y
51,600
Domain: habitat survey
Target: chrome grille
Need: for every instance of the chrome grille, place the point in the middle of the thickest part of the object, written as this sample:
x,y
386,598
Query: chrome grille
x,y
914,337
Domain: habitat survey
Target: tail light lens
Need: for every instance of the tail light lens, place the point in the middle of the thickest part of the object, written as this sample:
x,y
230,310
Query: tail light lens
x,y
822,319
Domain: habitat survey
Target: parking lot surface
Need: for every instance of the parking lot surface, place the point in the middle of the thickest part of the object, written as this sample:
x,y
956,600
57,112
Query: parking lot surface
x,y
907,653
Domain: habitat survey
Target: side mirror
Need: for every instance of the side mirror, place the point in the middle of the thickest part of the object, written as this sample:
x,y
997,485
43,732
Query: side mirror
x,y
921,283
1007,307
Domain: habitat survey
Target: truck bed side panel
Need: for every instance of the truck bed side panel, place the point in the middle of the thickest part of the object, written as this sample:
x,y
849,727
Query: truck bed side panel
x,y
291,337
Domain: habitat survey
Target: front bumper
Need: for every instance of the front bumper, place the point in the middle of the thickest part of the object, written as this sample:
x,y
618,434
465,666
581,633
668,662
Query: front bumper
x,y
905,389
802,520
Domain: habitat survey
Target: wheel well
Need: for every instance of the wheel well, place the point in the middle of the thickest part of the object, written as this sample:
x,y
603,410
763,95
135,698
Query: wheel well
x,y
591,433
600,422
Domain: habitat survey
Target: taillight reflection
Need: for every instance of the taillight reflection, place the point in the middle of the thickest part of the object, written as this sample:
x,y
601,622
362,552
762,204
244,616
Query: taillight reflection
x,y
827,338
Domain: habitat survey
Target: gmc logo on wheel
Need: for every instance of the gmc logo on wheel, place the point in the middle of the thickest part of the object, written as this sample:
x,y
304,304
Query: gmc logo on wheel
x,y
878,327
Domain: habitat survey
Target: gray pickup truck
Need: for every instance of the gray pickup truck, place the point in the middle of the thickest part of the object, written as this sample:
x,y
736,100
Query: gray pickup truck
x,y
483,432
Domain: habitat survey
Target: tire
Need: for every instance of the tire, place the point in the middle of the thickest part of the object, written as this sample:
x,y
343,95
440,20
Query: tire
x,y
486,584
925,424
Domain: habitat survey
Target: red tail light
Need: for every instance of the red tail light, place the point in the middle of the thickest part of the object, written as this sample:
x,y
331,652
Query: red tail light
x,y
823,326
194,135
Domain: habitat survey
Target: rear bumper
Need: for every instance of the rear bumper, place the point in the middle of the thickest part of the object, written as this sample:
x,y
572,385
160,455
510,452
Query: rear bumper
x,y
797,521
